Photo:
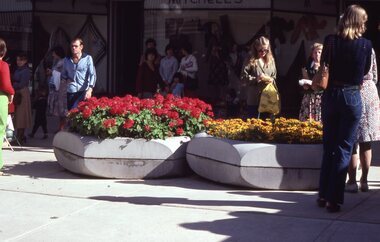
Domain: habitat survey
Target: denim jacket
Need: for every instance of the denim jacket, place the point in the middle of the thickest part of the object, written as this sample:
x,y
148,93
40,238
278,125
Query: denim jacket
x,y
81,76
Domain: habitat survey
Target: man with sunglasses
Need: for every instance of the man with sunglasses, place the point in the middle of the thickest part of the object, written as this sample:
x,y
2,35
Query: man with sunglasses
x,y
79,73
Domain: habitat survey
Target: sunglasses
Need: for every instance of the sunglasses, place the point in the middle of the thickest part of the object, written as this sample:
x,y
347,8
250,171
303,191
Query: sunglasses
x,y
263,50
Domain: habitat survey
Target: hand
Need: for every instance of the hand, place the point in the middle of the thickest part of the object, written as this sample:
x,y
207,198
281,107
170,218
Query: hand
x,y
10,99
88,94
48,72
266,79
306,86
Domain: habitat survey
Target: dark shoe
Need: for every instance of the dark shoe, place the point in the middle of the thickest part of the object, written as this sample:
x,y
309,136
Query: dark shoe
x,y
22,140
332,207
364,187
321,202
351,187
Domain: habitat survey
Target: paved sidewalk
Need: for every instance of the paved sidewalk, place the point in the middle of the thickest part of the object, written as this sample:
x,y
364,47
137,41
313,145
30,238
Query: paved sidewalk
x,y
41,201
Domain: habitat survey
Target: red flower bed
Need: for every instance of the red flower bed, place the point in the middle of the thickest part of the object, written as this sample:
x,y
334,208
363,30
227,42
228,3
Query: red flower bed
x,y
129,116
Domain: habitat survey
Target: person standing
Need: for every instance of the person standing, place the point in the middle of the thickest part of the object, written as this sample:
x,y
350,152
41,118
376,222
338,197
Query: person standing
x,y
23,110
188,67
348,55
57,99
311,101
258,72
40,105
168,66
149,80
369,131
6,94
79,73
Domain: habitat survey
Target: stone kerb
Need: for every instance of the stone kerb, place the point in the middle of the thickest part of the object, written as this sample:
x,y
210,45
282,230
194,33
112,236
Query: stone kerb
x,y
256,165
121,157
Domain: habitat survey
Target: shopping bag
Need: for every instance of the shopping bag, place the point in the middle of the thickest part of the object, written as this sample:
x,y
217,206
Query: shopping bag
x,y
269,100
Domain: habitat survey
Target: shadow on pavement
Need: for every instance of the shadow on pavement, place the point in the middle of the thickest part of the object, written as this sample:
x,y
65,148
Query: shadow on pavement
x,y
193,182
277,203
39,169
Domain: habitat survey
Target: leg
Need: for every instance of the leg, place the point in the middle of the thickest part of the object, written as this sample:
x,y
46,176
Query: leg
x,y
21,135
349,111
330,125
365,161
351,185
44,126
62,123
352,168
3,122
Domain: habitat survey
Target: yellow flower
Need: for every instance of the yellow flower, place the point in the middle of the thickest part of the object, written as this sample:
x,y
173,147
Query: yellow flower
x,y
282,130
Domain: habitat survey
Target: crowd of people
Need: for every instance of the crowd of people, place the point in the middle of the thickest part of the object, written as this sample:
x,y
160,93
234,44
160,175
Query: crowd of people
x,y
348,108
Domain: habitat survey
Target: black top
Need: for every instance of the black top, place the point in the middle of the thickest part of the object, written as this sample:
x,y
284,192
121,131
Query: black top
x,y
349,60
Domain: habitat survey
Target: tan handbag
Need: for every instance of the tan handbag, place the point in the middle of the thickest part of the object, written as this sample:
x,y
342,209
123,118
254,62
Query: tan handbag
x,y
321,78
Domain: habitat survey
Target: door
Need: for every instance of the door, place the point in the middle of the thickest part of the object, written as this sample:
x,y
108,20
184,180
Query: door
x,y
126,42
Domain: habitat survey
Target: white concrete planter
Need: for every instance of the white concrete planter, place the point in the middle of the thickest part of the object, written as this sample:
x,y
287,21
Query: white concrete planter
x,y
121,157
256,165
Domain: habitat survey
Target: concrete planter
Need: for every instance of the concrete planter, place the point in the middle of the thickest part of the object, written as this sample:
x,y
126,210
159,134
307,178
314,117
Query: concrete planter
x,y
121,157
256,165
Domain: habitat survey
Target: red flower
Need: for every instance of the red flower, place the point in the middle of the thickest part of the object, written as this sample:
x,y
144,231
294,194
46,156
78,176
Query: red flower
x,y
108,123
173,115
147,128
86,113
179,121
196,113
128,124
74,110
172,124
179,131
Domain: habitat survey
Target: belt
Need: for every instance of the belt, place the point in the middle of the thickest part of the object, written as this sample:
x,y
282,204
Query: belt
x,y
346,87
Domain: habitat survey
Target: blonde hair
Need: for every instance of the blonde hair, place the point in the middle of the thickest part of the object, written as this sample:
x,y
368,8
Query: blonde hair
x,y
352,24
316,46
259,42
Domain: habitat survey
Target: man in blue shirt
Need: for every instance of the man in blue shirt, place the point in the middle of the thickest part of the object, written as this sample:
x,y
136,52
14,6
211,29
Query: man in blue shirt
x,y
79,74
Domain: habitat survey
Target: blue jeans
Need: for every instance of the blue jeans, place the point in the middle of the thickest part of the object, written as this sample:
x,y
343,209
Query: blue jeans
x,y
341,112
73,99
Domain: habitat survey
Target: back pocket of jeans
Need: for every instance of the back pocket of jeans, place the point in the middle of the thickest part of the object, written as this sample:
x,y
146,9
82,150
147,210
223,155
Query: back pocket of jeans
x,y
352,97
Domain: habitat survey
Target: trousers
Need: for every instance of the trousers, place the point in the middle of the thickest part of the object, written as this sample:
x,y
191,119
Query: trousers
x,y
341,112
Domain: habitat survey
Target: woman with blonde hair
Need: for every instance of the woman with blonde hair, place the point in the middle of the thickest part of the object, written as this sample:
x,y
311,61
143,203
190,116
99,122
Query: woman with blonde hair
x,y
348,56
259,71
311,101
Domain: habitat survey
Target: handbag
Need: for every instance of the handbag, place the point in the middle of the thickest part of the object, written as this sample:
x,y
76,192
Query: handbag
x,y
321,78
270,100
17,99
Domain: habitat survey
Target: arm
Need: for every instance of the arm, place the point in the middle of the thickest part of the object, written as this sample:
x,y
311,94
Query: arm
x,y
249,74
24,79
174,70
192,65
91,78
374,67
64,73
161,70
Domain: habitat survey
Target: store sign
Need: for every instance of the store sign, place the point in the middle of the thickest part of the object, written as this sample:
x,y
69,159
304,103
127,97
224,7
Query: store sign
x,y
205,4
